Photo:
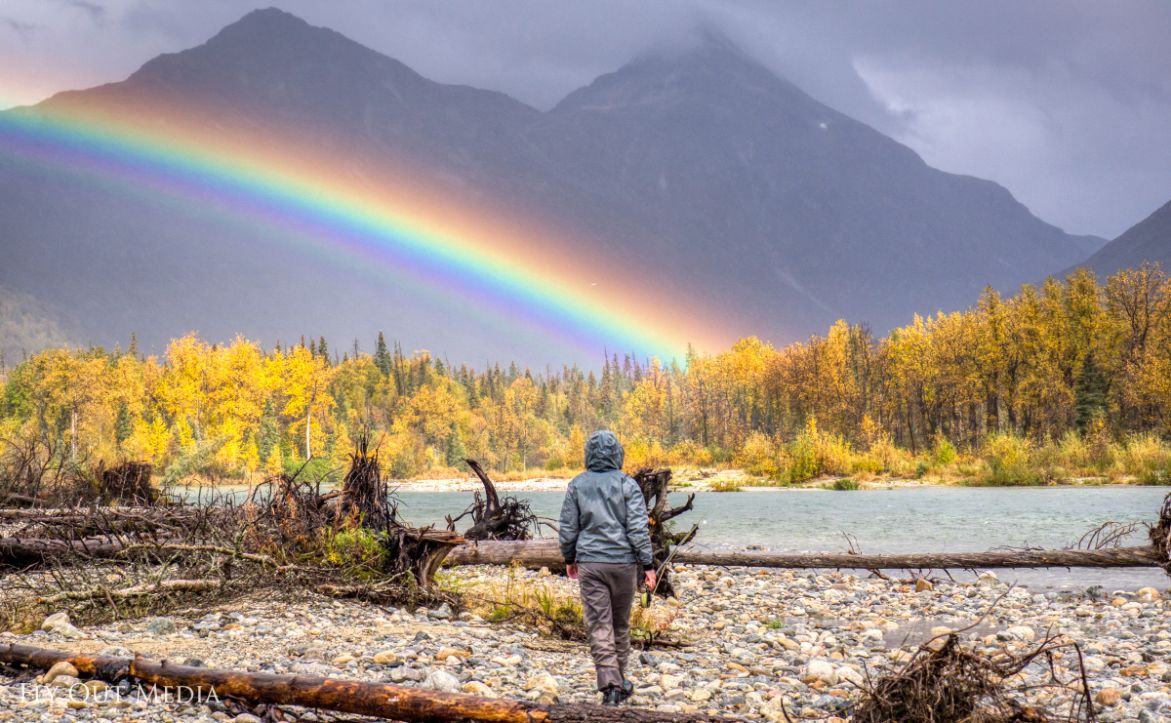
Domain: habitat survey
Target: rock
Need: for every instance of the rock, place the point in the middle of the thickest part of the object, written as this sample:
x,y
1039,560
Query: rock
x,y
820,670
443,612
670,682
246,718
544,683
59,623
700,695
445,653
65,681
988,579
1108,697
96,686
160,626
343,660
475,687
922,585
847,674
1148,594
1022,632
61,668
442,681
385,657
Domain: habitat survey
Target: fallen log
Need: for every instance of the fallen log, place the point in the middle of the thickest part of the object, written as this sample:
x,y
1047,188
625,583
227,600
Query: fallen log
x,y
545,553
28,551
383,700
131,592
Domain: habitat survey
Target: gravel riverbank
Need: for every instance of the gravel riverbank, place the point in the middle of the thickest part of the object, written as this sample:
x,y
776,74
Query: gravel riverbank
x,y
757,638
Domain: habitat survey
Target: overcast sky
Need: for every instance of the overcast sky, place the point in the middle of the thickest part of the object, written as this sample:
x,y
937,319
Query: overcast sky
x,y
1067,103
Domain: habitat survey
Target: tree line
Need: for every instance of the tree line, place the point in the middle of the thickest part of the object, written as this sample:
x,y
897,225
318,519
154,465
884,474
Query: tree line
x,y
1064,365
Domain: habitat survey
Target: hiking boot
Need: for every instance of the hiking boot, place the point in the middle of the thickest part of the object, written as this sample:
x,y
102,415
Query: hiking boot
x,y
612,695
627,689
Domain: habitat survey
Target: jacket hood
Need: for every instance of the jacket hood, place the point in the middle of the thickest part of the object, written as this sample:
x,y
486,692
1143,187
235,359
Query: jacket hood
x,y
603,452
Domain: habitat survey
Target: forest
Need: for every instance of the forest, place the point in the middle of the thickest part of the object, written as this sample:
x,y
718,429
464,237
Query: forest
x,y
1064,380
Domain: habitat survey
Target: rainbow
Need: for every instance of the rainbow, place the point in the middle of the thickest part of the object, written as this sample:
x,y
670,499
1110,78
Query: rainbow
x,y
529,283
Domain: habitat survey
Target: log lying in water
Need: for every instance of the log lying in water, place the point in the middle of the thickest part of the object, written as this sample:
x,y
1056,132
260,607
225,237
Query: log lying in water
x,y
381,700
544,553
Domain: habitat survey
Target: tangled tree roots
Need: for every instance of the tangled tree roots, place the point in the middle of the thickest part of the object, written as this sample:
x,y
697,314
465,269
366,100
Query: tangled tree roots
x,y
653,484
126,483
365,498
944,682
494,518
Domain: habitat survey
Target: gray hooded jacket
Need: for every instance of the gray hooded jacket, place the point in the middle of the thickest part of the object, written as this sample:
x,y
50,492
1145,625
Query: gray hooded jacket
x,y
604,517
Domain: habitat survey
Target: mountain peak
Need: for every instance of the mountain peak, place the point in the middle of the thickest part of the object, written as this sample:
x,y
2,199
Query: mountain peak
x,y
707,68
266,19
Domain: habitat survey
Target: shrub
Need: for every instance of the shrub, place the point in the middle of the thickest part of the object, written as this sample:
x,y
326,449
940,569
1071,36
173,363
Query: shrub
x,y
845,484
725,485
1148,458
943,452
688,452
357,548
802,459
643,453
1006,457
759,456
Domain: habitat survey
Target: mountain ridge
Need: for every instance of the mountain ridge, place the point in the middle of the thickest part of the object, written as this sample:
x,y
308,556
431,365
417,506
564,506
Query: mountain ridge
x,y
700,169
1148,241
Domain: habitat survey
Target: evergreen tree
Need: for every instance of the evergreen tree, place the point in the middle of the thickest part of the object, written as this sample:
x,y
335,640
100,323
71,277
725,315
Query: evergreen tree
x,y
123,425
1090,391
382,358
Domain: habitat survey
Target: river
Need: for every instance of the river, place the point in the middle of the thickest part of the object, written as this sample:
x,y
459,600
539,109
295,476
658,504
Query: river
x,y
924,519
912,519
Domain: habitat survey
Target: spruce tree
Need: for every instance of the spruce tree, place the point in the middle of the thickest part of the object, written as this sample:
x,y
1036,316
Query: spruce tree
x,y
382,358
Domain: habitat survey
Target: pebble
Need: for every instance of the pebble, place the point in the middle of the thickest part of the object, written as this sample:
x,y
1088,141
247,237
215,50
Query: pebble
x,y
760,639
442,681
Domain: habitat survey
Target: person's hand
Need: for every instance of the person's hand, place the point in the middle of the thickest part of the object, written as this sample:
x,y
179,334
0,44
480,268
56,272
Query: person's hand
x,y
571,571
650,579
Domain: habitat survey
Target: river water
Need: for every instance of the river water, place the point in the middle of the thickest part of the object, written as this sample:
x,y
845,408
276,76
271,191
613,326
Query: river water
x,y
925,519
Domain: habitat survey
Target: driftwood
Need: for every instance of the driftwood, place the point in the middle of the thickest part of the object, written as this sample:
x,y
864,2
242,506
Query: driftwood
x,y
133,591
382,700
544,553
32,551
492,517
653,484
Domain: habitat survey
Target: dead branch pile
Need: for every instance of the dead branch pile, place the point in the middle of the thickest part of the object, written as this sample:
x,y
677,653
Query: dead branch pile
x,y
946,681
494,518
288,535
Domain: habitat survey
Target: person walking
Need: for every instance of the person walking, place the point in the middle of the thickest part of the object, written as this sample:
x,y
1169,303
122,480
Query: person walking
x,y
605,540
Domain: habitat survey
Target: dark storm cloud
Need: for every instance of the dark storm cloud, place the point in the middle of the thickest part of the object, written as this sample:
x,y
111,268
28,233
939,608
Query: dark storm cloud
x,y
1065,102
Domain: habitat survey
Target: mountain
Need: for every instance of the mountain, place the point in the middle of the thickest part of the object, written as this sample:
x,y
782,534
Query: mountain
x,y
700,171
1147,240
26,326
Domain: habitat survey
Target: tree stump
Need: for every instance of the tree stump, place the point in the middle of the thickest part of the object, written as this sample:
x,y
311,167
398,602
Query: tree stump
x,y
653,484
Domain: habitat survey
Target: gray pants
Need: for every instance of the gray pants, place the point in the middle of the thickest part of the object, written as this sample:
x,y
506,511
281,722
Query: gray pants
x,y
607,590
